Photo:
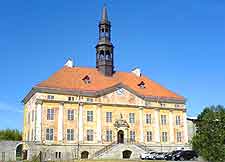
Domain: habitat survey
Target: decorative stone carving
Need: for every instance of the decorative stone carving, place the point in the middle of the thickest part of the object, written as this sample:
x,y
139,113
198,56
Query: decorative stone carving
x,y
121,122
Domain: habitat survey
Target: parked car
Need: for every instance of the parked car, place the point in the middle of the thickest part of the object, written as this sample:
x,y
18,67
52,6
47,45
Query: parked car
x,y
185,155
170,155
148,156
160,156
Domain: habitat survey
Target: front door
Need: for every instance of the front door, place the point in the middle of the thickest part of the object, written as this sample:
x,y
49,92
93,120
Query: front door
x,y
120,137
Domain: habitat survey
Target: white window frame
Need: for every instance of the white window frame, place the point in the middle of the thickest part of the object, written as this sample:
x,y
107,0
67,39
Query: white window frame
x,y
178,120
164,137
70,114
131,117
90,116
50,114
179,136
109,135
163,120
70,134
148,118
49,134
149,136
132,136
90,135
108,117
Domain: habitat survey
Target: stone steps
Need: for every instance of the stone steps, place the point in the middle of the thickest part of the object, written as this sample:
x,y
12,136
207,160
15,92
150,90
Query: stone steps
x,y
116,152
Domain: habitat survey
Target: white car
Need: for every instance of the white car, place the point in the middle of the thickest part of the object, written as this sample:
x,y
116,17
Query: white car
x,y
148,156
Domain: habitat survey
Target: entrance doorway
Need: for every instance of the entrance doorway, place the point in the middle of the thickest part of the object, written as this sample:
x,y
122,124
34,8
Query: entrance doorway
x,y
127,154
19,152
120,137
84,155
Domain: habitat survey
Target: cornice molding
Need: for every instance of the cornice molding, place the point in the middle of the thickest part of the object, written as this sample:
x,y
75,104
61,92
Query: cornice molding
x,y
100,93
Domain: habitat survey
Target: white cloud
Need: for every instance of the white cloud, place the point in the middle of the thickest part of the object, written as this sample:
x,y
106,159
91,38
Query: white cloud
x,y
6,107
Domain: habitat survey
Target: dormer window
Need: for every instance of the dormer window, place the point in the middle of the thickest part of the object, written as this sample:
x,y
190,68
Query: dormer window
x,y
87,79
141,85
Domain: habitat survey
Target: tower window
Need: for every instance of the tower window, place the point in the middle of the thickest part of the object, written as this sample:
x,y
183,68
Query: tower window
x,y
107,56
101,55
87,79
141,85
106,30
103,30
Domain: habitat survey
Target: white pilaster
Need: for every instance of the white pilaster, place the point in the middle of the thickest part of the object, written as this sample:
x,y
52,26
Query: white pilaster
x,y
185,127
60,122
141,124
99,124
80,125
171,127
38,121
157,126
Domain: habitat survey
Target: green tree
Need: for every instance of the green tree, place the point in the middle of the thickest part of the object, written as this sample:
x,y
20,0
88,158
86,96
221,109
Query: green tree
x,y
209,140
11,135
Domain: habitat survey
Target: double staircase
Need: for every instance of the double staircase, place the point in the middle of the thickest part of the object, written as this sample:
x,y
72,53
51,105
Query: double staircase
x,y
116,151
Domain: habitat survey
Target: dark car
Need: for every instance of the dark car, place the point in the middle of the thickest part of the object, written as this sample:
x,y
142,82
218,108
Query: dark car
x,y
170,155
185,155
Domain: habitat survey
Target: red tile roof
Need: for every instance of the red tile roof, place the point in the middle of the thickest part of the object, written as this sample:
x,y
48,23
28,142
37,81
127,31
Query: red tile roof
x,y
68,78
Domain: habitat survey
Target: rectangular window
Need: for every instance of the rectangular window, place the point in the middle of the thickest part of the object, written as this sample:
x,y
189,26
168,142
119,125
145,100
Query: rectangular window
x,y
32,135
177,120
90,135
49,134
28,118
70,98
179,136
89,99
108,117
132,136
163,119
164,136
108,135
28,136
149,136
3,156
70,114
162,105
148,119
90,116
131,117
32,115
50,97
70,134
58,155
50,114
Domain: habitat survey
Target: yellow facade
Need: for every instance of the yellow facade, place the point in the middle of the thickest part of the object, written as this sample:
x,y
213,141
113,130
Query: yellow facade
x,y
123,105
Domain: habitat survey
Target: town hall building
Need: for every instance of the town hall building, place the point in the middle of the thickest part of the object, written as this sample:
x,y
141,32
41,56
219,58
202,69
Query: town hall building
x,y
81,112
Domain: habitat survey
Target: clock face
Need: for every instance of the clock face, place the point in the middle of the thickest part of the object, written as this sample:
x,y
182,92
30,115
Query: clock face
x,y
120,91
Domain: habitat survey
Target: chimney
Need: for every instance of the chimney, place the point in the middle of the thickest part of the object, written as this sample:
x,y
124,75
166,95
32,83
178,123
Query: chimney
x,y
69,63
137,72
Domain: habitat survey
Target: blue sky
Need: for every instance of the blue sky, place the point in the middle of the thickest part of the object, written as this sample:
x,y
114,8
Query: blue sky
x,y
180,44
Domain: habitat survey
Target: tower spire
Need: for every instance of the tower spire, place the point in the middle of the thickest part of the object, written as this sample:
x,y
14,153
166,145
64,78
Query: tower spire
x,y
104,13
104,48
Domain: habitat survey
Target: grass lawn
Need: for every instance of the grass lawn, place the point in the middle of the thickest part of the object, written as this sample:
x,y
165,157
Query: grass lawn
x,y
122,160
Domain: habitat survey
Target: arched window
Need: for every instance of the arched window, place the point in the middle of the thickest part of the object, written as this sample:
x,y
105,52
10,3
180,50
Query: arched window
x,y
84,155
101,55
107,55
